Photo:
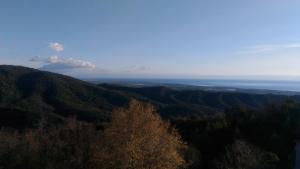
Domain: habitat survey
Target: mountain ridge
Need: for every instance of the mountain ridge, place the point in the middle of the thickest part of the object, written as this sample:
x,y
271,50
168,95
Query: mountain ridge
x,y
32,94
39,92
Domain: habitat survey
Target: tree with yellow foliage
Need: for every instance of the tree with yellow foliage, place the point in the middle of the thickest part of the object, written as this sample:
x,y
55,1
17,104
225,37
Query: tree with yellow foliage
x,y
139,139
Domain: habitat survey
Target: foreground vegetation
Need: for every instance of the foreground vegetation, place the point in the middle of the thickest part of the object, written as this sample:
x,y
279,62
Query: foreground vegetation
x,y
137,137
243,138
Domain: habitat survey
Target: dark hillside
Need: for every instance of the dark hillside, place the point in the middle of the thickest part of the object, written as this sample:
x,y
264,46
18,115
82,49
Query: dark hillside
x,y
174,102
44,93
212,123
38,93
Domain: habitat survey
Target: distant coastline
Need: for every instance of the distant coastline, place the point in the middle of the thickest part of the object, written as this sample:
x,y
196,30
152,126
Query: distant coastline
x,y
257,86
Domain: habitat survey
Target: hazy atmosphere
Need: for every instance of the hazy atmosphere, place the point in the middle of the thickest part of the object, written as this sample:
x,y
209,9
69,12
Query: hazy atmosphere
x,y
157,39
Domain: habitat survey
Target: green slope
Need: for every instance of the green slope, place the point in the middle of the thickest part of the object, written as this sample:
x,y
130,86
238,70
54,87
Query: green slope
x,y
41,93
30,94
182,103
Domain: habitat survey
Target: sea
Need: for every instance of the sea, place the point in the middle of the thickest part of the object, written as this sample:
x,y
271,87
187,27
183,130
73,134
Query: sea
x,y
277,85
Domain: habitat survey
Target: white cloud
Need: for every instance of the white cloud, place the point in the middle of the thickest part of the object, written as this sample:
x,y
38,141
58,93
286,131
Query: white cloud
x,y
56,46
269,48
135,69
57,62
70,62
83,68
54,59
35,59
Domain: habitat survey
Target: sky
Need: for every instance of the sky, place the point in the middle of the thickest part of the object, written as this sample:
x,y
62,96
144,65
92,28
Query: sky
x,y
153,38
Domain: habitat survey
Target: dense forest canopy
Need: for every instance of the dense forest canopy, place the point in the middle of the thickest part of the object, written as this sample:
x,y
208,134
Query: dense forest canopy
x,y
219,130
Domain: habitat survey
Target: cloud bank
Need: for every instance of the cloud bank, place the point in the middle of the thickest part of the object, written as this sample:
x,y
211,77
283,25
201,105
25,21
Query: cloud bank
x,y
70,62
78,67
35,59
57,62
56,46
258,49
135,69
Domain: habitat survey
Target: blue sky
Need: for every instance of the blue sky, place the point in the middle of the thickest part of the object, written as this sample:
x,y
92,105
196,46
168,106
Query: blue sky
x,y
153,38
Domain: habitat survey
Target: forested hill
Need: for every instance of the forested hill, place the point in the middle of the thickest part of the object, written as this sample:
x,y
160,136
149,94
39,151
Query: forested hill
x,y
39,93
29,94
172,102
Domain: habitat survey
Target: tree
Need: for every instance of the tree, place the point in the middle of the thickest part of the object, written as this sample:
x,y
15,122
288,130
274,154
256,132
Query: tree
x,y
139,138
241,155
67,146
